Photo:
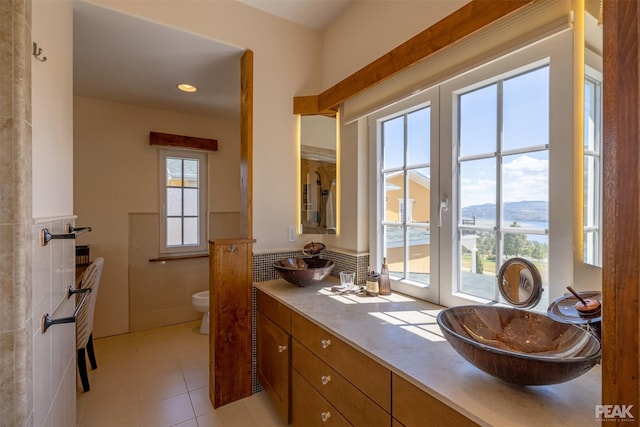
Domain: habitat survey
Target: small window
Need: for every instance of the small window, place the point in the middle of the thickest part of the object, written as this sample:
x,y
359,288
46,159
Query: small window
x,y
183,202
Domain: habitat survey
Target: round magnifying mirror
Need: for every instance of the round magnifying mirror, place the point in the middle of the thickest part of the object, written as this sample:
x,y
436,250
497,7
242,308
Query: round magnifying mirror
x,y
520,283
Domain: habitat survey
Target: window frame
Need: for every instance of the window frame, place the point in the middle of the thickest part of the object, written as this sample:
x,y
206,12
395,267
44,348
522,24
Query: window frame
x,y
556,50
202,158
428,98
594,76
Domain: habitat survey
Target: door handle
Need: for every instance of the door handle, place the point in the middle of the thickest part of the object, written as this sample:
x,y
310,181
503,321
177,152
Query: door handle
x,y
444,206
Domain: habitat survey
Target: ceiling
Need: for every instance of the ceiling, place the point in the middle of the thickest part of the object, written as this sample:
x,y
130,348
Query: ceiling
x,y
316,14
126,59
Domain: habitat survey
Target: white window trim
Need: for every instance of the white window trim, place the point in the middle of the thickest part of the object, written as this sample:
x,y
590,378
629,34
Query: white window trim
x,y
201,248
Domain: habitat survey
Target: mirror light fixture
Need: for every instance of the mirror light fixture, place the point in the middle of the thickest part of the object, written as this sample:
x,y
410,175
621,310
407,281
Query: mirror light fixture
x,y
186,87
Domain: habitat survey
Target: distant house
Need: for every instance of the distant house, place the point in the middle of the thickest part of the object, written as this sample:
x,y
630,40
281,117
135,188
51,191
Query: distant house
x,y
417,212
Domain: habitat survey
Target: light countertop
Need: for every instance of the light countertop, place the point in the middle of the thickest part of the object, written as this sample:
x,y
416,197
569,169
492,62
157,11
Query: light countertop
x,y
402,334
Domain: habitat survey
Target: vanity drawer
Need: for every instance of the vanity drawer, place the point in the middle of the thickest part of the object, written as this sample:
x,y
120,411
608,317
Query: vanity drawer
x,y
309,408
415,407
351,402
279,313
369,376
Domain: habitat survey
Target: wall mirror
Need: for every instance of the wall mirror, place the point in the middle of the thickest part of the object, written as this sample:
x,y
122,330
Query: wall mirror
x,y
318,174
592,169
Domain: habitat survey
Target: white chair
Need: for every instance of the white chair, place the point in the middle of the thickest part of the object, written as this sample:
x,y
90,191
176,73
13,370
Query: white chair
x,y
84,319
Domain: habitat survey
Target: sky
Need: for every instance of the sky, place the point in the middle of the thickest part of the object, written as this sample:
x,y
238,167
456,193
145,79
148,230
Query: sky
x,y
522,122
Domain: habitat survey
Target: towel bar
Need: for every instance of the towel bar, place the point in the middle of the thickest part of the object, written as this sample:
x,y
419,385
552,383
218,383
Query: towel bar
x,y
48,321
72,232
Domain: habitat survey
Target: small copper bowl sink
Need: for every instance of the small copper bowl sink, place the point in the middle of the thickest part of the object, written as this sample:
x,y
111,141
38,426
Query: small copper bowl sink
x,y
519,346
303,271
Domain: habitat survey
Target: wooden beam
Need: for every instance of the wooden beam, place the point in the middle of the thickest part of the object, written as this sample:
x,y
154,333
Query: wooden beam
x,y
246,145
169,140
308,106
621,210
460,24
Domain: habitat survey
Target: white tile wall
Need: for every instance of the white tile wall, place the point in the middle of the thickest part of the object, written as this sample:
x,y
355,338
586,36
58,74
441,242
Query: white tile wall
x,y
54,352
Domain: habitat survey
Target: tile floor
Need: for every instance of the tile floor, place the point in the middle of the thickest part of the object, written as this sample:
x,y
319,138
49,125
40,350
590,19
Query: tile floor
x,y
160,378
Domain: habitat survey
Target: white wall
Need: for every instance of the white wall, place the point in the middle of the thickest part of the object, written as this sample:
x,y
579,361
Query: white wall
x,y
116,174
53,266
286,63
52,109
369,29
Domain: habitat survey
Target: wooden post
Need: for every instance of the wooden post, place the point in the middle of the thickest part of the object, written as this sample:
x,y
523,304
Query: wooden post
x,y
230,333
621,213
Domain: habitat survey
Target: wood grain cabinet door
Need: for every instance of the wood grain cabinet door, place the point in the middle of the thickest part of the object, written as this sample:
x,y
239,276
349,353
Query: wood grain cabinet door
x,y
273,361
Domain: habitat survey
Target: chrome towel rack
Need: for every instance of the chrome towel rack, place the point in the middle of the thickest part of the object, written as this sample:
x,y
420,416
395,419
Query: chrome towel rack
x,y
72,232
47,321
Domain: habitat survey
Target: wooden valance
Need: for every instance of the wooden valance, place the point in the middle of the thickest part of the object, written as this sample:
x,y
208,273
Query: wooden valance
x,y
180,141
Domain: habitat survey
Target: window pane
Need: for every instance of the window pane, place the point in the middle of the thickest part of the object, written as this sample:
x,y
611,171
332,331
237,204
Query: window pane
x,y
419,240
174,231
591,191
525,190
174,172
394,249
525,105
478,121
478,263
174,201
191,173
591,247
393,142
418,137
394,196
190,202
591,117
478,191
418,209
190,231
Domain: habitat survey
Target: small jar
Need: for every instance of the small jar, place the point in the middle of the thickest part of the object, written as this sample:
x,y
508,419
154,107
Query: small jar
x,y
371,287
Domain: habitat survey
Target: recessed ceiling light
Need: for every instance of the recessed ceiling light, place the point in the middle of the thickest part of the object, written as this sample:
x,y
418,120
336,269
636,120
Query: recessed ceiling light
x,y
185,87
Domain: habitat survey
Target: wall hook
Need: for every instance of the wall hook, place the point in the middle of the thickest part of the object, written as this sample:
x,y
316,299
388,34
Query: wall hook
x,y
37,51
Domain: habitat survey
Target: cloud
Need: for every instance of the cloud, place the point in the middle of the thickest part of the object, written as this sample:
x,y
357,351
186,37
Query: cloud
x,y
524,177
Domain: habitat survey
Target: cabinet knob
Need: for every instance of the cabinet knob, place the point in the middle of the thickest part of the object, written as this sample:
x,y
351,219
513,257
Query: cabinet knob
x,y
325,343
325,379
325,416
281,348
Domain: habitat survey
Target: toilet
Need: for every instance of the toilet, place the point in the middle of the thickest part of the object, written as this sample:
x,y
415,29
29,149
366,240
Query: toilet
x,y
200,302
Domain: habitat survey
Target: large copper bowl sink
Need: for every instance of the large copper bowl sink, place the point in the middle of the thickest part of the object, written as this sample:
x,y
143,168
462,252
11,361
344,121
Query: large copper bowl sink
x,y
303,271
519,346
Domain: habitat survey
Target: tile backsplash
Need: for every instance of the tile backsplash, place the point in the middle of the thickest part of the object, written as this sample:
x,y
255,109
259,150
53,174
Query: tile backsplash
x,y
263,264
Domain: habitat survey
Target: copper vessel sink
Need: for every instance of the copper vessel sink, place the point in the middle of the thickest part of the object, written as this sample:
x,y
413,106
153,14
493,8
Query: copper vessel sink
x,y
303,271
519,346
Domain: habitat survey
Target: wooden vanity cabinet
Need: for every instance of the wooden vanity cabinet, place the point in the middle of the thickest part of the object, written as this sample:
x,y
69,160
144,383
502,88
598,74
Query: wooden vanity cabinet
x,y
309,408
346,398
273,346
414,407
367,375
316,379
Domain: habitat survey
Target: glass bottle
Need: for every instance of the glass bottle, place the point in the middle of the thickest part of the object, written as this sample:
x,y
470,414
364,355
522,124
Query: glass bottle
x,y
384,287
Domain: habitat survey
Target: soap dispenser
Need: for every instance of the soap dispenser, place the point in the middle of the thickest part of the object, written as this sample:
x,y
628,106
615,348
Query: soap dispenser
x,y
384,287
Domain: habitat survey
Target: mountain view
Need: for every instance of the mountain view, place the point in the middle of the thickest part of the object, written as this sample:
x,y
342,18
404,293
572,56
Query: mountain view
x,y
525,211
